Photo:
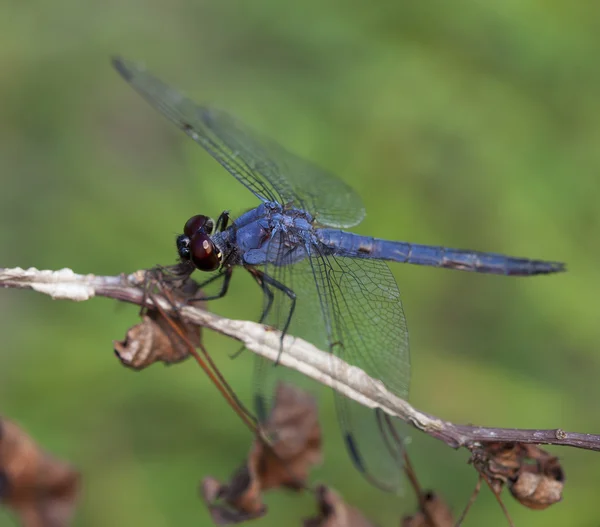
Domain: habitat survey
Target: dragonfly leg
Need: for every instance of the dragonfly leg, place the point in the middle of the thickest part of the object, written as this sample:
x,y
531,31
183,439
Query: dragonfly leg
x,y
258,276
264,280
225,275
265,312
222,221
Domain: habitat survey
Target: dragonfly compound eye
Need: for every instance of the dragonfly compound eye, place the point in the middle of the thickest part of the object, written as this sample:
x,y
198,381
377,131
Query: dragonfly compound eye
x,y
203,252
196,223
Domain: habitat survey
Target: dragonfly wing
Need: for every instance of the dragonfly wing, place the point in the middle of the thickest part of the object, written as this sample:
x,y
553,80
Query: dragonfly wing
x,y
366,328
299,279
264,167
351,308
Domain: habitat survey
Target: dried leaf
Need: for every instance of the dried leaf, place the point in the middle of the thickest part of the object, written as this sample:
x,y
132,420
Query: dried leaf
x,y
435,513
294,440
533,476
154,340
157,338
539,485
234,502
334,512
41,490
294,446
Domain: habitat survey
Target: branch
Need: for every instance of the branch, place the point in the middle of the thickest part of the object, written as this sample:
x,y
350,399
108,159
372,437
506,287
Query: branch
x,y
300,356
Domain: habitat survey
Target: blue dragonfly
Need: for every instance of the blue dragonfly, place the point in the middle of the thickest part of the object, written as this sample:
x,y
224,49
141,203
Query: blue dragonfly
x,y
320,282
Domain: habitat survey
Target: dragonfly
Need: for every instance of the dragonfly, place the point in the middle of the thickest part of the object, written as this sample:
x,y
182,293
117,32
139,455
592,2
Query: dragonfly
x,y
319,281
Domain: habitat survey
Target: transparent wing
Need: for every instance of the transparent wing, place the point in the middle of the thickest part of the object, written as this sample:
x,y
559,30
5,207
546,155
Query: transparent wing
x,y
351,307
304,323
366,328
265,168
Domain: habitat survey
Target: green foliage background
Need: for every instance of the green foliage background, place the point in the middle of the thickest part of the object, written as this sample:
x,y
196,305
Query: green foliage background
x,y
469,124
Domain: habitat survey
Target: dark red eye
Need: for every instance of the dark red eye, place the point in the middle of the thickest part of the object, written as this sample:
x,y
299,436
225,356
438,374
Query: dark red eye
x,y
203,252
195,223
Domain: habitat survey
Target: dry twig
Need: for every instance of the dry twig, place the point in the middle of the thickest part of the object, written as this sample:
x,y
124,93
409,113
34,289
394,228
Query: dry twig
x,y
300,356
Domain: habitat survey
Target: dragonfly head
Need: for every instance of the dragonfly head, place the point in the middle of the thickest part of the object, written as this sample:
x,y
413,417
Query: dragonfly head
x,y
196,246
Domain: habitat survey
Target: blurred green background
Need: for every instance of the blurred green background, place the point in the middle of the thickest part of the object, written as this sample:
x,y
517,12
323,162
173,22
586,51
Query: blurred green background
x,y
469,124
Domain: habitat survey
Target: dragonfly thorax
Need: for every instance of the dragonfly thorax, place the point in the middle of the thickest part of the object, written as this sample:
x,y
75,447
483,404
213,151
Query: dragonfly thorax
x,y
265,234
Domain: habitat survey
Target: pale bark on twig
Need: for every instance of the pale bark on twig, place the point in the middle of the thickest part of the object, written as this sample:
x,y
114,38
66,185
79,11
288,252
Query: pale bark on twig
x,y
299,355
